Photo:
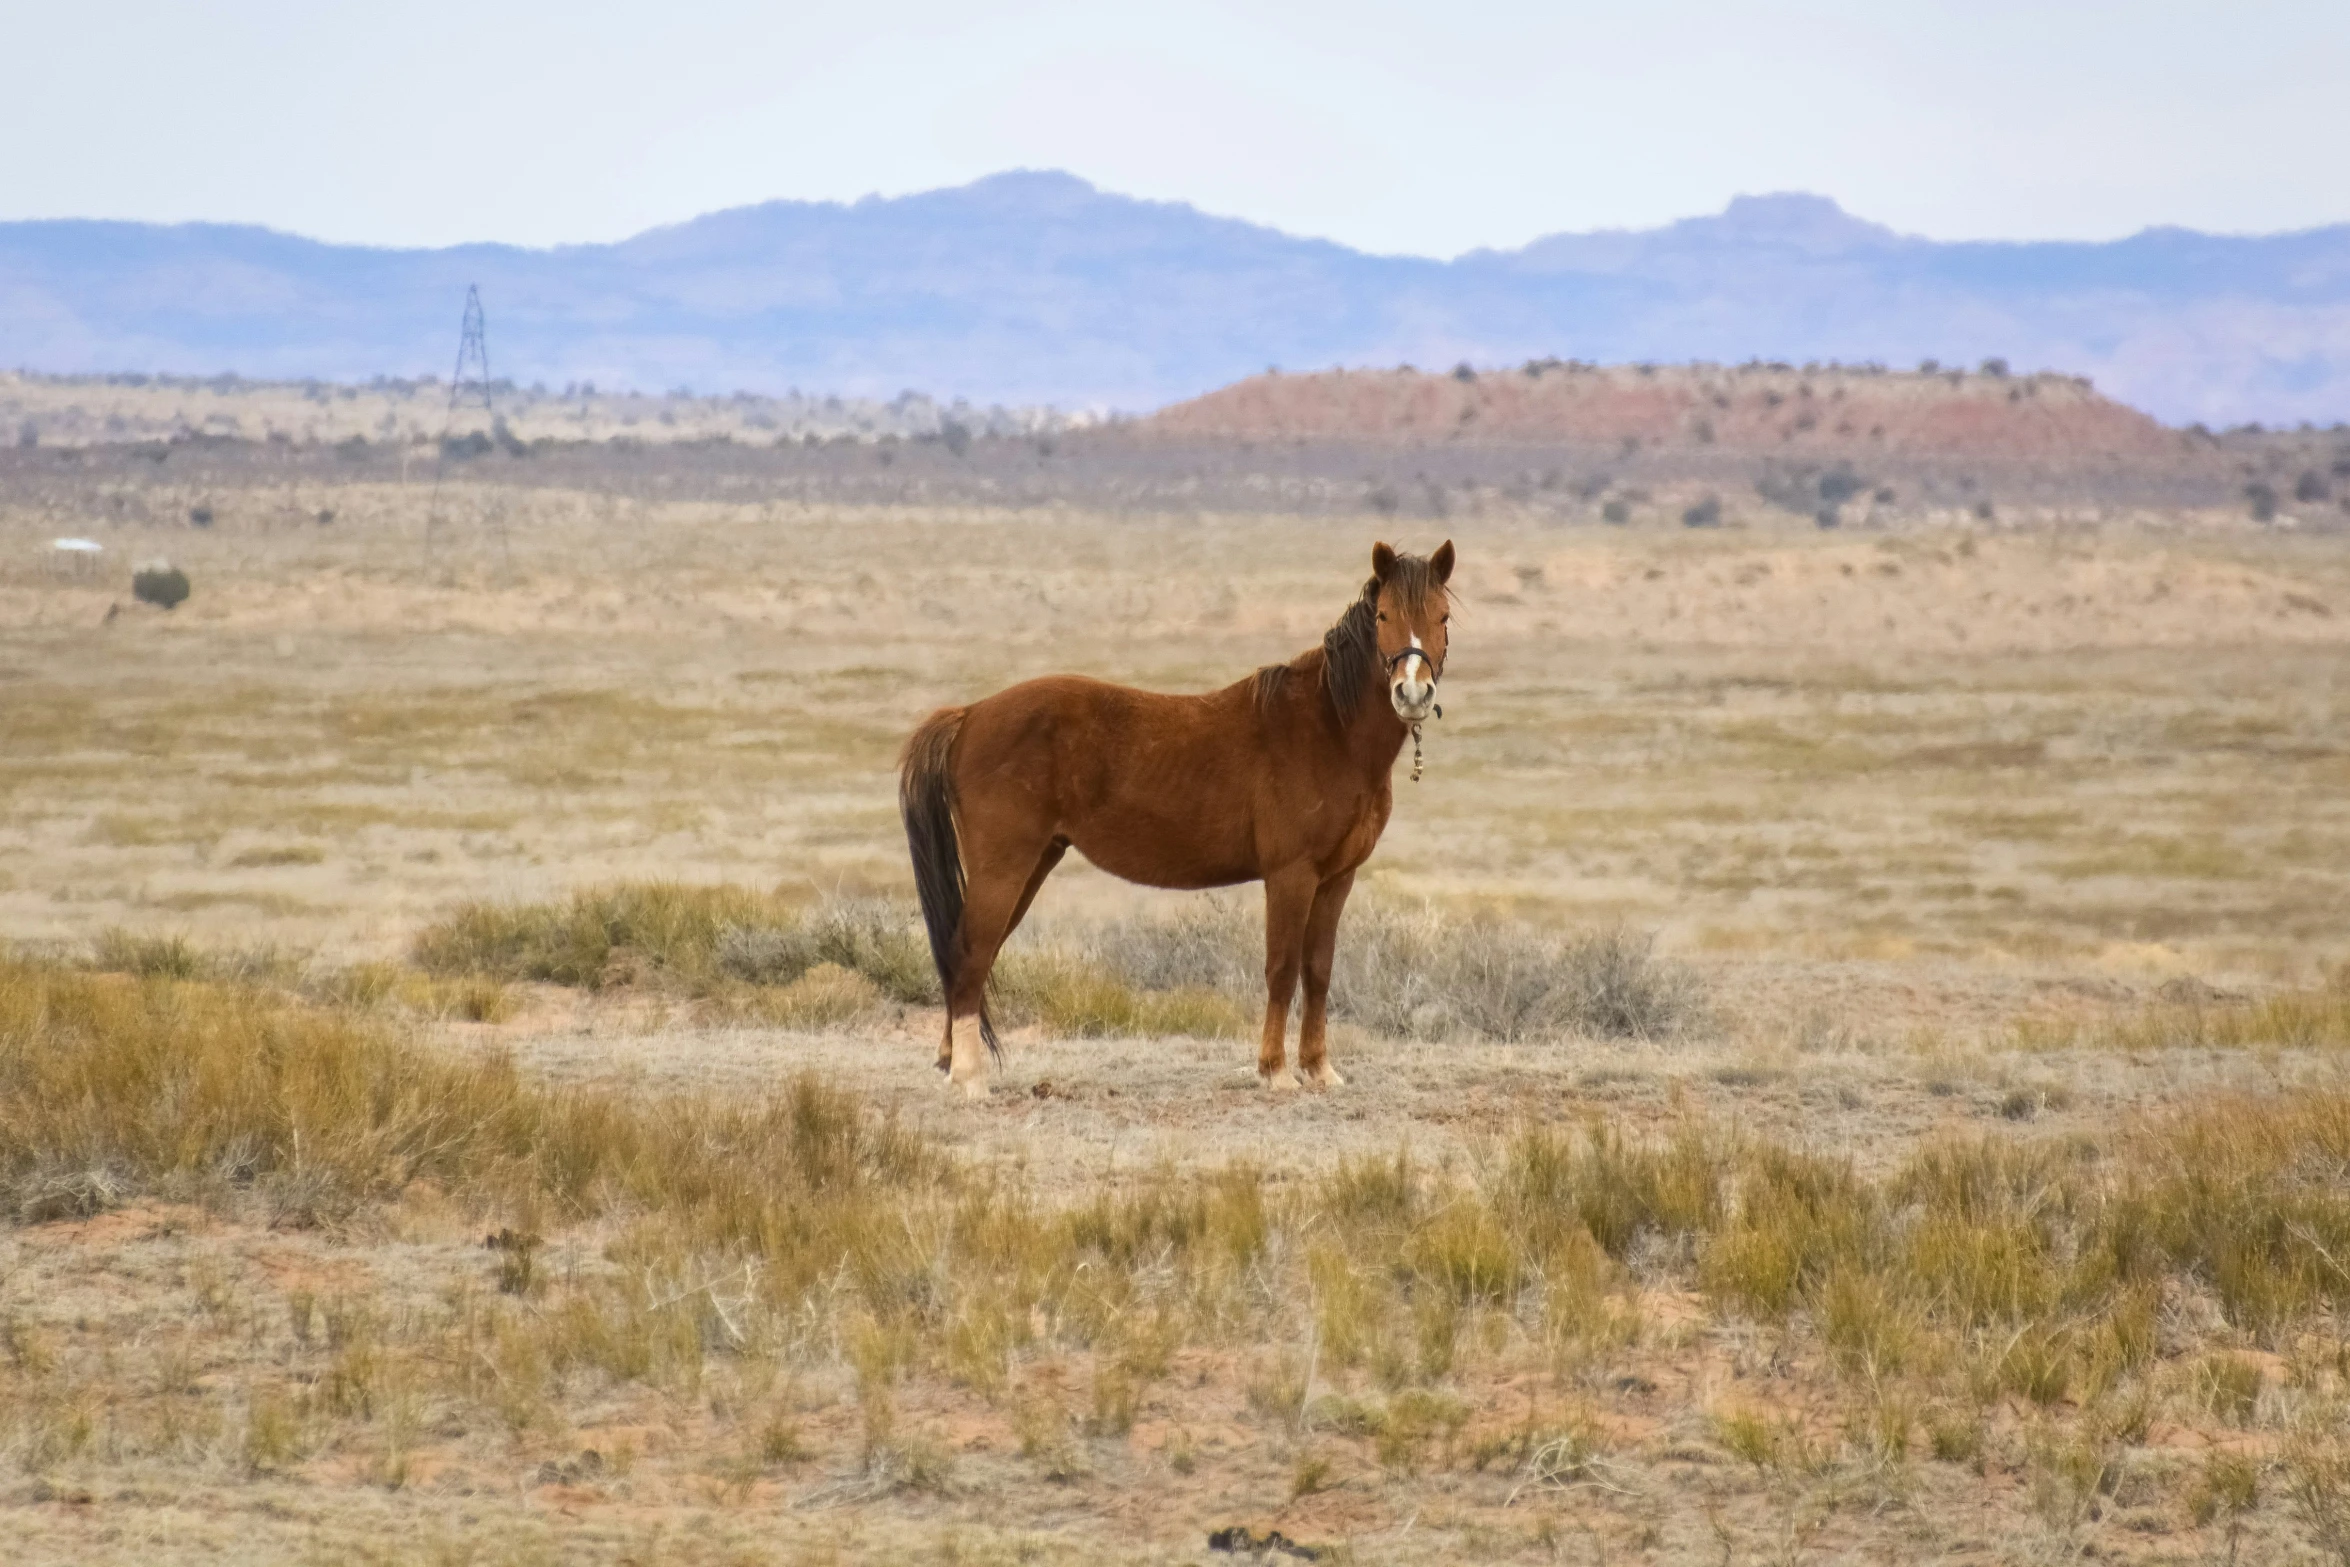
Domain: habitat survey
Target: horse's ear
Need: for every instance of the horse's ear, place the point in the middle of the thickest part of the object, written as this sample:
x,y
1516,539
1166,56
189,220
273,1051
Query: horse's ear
x,y
1382,560
1440,563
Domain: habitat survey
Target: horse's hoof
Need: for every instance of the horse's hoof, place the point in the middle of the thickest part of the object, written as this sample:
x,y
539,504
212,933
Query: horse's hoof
x,y
1326,1076
974,1088
1281,1082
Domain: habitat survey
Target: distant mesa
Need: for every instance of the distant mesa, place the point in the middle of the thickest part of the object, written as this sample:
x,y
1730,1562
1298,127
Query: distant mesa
x,y
1786,227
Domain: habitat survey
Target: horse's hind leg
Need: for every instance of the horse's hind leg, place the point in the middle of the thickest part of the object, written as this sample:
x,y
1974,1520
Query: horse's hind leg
x,y
1289,904
1000,888
1044,867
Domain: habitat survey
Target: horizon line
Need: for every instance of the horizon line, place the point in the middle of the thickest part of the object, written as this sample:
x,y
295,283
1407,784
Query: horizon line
x,y
879,197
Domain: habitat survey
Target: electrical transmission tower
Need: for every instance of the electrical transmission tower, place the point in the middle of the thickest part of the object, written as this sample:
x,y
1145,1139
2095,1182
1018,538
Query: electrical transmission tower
x,y
473,348
469,386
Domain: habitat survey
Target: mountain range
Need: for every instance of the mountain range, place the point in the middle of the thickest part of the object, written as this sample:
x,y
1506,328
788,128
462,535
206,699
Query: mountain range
x,y
1037,288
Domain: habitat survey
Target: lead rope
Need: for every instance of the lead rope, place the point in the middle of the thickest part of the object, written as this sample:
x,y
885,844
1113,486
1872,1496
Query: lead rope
x,y
1415,753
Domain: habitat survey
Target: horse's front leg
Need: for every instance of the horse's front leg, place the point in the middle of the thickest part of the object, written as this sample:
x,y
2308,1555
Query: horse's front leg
x,y
1313,1048
1289,905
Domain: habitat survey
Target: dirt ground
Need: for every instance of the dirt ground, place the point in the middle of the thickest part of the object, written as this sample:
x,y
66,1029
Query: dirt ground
x,y
1910,801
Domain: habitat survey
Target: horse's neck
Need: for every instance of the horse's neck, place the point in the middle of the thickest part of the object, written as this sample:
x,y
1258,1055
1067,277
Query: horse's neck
x,y
1375,736
1372,739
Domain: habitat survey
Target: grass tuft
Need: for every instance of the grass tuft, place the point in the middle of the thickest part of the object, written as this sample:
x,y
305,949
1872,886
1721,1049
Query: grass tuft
x,y
671,928
1073,997
698,940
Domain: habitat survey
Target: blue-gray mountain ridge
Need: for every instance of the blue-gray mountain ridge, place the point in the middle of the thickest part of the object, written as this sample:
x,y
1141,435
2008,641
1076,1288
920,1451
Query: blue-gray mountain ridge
x,y
1028,288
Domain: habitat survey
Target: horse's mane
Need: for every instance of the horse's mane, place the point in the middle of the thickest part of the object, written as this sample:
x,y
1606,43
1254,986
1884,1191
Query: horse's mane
x,y
1350,649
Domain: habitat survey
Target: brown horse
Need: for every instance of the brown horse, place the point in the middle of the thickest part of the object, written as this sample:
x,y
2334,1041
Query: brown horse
x,y
1282,778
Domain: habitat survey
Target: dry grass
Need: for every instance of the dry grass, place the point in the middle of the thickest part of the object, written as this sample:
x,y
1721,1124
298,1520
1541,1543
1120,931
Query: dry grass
x,y
802,1236
1065,994
281,854
177,957
670,930
204,1090
2297,1019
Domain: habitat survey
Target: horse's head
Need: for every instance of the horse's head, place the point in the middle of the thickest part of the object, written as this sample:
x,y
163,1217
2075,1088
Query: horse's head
x,y
1414,625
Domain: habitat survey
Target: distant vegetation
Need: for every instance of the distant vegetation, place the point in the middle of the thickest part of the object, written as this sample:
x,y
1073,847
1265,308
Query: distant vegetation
x,y
1822,442
390,413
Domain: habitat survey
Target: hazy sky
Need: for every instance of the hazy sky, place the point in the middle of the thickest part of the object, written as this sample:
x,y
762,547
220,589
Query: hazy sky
x,y
1403,127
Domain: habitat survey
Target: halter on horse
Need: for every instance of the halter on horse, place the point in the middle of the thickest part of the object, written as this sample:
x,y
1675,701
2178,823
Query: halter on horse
x,y
1435,673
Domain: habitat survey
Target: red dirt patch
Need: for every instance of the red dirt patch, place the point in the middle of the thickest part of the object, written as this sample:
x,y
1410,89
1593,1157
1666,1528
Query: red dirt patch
x,y
116,1226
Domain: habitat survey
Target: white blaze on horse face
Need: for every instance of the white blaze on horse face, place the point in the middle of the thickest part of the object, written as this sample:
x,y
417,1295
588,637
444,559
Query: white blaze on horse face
x,y
1413,690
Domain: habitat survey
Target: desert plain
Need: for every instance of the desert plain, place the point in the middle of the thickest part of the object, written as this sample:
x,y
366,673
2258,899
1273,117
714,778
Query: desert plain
x,y
1966,1182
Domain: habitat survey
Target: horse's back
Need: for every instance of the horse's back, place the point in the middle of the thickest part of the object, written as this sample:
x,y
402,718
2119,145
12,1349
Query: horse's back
x,y
1088,714
1152,787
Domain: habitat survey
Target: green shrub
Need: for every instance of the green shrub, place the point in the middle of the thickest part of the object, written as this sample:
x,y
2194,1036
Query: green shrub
x,y
160,583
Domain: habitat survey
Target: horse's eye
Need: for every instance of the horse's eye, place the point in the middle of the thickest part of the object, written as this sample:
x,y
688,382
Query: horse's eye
x,y
1383,617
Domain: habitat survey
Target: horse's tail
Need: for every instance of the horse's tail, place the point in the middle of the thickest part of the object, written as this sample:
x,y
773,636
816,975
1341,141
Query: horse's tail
x,y
926,800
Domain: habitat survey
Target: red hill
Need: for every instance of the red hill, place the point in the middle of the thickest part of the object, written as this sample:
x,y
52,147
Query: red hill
x,y
1755,410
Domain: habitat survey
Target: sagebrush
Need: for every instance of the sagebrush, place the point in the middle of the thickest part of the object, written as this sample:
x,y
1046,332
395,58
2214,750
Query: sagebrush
x,y
1403,972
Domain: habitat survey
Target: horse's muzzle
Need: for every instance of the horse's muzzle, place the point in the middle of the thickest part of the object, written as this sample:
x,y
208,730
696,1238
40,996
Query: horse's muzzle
x,y
1411,683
